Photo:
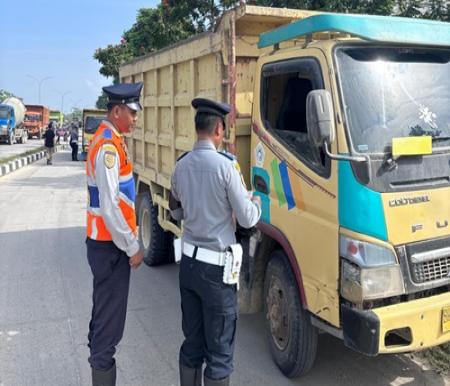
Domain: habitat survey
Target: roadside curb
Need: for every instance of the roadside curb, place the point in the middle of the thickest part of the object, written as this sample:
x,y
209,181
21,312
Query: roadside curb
x,y
22,161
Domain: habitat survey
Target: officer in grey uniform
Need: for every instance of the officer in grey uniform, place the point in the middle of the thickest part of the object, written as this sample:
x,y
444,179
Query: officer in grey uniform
x,y
207,189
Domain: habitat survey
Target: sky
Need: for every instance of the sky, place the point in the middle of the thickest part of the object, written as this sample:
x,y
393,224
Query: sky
x,y
57,39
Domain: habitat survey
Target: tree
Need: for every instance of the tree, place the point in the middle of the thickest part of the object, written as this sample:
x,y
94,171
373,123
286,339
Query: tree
x,y
102,101
437,10
379,7
112,57
156,28
410,8
5,94
75,115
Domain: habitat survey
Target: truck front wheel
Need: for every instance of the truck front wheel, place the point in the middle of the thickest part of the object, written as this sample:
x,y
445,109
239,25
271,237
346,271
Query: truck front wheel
x,y
156,243
292,338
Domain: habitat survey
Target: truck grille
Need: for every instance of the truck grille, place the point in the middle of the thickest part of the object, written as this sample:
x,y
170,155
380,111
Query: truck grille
x,y
431,270
429,261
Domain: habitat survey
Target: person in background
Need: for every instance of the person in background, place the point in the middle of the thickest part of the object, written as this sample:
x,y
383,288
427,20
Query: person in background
x,y
49,142
74,142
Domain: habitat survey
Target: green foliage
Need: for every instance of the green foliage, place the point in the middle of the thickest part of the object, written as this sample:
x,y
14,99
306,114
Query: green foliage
x,y
75,115
374,7
438,10
111,58
5,94
102,101
410,8
156,28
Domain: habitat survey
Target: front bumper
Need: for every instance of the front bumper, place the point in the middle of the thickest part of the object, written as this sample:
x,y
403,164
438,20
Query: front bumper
x,y
369,331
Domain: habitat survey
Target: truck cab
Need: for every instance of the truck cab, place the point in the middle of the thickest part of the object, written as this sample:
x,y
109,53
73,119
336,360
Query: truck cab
x,y
351,140
91,121
7,123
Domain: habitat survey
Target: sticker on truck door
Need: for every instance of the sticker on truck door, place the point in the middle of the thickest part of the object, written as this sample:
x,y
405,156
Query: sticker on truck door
x,y
260,155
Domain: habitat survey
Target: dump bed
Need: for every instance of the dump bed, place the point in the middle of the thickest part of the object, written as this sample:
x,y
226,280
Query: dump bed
x,y
219,65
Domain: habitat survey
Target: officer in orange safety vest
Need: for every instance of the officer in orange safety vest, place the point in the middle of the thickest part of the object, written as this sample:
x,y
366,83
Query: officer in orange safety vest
x,y
112,244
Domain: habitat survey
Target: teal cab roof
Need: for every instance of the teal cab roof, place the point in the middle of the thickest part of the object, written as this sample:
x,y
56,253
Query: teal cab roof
x,y
386,29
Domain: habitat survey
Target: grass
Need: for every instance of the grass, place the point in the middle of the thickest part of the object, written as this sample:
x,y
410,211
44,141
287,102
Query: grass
x,y
24,154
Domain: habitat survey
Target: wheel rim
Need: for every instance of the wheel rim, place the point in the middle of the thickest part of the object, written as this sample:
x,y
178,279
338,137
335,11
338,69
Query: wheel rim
x,y
145,233
278,314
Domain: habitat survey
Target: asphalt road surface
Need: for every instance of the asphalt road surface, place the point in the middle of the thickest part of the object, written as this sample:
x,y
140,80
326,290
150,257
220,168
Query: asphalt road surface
x,y
45,302
16,149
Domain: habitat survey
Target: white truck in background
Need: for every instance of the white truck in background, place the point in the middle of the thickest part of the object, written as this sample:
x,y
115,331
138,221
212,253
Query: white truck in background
x,y
12,112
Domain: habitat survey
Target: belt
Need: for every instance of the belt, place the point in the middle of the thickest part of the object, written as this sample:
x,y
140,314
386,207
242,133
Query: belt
x,y
203,254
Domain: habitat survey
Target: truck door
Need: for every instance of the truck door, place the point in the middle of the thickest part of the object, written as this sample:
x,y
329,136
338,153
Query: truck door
x,y
296,181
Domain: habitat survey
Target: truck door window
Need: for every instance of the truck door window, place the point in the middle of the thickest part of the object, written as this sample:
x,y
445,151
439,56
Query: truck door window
x,y
285,87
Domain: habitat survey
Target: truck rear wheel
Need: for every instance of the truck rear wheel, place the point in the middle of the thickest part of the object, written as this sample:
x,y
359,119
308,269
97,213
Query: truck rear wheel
x,y
156,243
292,338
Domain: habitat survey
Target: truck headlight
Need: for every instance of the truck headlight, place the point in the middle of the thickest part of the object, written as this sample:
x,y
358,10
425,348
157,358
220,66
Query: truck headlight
x,y
368,271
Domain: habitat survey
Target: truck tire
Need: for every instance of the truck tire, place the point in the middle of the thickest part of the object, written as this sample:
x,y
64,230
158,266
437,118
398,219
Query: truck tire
x,y
156,243
291,336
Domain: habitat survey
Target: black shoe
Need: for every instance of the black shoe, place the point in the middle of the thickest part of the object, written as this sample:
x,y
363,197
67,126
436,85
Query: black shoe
x,y
217,382
104,378
190,376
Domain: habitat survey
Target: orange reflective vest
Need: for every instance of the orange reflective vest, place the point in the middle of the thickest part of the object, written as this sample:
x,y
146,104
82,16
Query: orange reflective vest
x,y
96,228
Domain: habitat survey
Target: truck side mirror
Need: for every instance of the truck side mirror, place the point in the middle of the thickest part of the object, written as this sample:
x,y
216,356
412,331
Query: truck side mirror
x,y
320,117
320,121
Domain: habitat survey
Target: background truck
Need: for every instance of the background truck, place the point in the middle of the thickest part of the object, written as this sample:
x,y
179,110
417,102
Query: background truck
x,y
12,112
36,120
57,117
341,125
91,120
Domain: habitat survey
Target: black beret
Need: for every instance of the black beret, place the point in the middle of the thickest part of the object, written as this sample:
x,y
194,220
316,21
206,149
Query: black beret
x,y
208,106
125,93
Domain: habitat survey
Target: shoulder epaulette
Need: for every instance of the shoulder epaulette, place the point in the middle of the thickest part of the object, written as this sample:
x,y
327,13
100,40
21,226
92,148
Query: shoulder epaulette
x,y
107,133
230,156
182,156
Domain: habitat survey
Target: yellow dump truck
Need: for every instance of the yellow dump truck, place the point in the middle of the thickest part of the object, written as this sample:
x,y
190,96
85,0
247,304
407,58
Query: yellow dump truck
x,y
91,120
341,125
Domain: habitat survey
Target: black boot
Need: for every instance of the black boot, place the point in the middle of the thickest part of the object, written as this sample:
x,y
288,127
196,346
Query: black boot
x,y
104,378
217,382
190,376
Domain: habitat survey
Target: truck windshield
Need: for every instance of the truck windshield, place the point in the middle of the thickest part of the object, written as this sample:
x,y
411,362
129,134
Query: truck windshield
x,y
91,124
4,113
33,117
390,92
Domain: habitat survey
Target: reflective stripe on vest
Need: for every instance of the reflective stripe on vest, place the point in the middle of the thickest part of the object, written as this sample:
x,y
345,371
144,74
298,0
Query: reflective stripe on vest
x,y
96,227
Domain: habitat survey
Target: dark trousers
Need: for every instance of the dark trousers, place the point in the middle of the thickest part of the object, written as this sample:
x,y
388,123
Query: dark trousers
x,y
74,147
111,269
209,309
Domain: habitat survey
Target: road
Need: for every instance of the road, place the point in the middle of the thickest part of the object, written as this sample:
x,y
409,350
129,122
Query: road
x,y
10,150
45,300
